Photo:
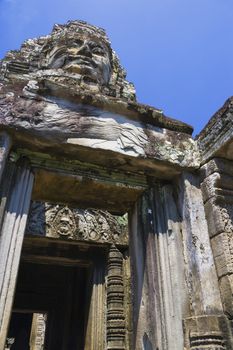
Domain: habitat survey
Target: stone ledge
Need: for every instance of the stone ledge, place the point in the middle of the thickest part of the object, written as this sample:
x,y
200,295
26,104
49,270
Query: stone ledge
x,y
216,139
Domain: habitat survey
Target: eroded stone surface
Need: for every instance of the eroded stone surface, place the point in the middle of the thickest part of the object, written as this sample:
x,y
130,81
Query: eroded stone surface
x,y
66,103
217,188
68,91
76,54
216,139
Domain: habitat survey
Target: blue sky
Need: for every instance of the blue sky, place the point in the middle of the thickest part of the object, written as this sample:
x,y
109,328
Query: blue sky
x,y
178,53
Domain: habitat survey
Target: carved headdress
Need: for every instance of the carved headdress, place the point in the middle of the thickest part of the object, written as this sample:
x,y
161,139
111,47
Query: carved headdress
x,y
75,54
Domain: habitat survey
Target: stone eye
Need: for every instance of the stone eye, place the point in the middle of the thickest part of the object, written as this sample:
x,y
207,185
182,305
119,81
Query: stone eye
x,y
97,50
79,42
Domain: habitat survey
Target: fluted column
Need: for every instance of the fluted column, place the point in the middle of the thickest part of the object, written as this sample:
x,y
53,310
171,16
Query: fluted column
x,y
158,283
95,333
15,200
5,144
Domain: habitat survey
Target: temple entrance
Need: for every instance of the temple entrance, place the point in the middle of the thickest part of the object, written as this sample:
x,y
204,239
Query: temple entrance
x,y
71,280
19,331
52,298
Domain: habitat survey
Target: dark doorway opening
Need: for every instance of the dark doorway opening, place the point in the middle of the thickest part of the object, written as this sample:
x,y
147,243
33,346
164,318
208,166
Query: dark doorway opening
x,y
58,291
19,331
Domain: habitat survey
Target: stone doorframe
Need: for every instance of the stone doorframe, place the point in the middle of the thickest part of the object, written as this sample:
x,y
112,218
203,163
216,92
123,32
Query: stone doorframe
x,y
105,317
175,292
15,200
108,292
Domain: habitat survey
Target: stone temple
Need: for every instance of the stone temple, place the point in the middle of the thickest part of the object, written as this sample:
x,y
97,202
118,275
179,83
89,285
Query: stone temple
x,y
116,225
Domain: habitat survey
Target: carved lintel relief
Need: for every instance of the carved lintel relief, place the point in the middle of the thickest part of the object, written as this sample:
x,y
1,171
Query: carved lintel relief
x,y
59,221
116,332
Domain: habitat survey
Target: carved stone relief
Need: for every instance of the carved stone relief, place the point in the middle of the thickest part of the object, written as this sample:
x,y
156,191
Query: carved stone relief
x,y
59,221
116,331
207,332
37,336
199,341
76,54
226,213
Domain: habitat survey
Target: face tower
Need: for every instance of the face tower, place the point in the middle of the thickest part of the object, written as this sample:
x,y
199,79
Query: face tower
x,y
115,224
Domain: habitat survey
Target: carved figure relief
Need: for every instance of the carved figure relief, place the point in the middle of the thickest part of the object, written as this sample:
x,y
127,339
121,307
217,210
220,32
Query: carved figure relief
x,y
227,215
63,224
46,219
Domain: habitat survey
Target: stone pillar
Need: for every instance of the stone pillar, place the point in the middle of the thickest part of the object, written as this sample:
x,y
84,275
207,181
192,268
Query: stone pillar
x,y
127,299
206,327
95,334
15,200
116,331
5,144
38,329
158,283
217,189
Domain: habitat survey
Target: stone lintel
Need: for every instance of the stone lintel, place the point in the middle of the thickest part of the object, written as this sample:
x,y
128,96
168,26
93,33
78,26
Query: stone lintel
x,y
74,224
84,192
217,165
96,135
96,163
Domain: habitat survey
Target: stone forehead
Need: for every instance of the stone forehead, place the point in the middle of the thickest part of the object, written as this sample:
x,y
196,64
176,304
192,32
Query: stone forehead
x,y
61,33
72,27
66,33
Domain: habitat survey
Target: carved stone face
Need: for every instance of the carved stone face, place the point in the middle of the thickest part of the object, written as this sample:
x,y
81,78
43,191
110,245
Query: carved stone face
x,y
64,223
75,56
84,55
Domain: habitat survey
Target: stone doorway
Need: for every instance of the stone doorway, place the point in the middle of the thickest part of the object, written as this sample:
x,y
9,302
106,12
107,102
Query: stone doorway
x,y
27,331
58,286
19,331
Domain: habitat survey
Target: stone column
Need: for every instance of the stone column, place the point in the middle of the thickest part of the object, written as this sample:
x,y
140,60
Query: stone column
x,y
95,334
205,327
38,329
217,189
5,144
15,201
116,331
158,283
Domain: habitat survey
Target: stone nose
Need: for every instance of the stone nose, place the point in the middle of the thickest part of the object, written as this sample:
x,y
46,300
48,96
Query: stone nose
x,y
85,50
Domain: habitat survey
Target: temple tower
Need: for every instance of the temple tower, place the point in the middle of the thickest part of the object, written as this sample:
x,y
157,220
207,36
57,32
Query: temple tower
x,y
115,224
